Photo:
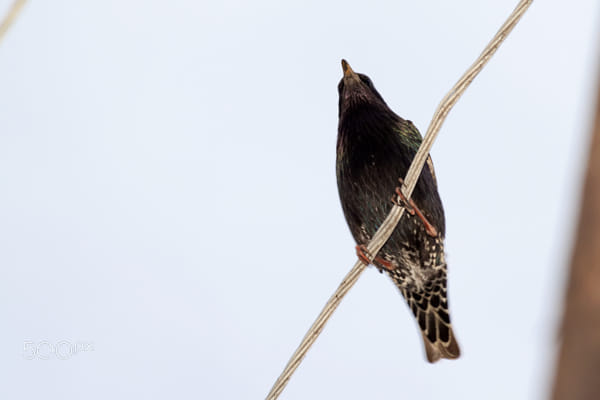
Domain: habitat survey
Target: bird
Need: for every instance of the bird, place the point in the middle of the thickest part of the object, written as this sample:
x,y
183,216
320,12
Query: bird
x,y
374,150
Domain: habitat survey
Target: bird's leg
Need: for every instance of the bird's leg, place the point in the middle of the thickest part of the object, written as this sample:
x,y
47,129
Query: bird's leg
x,y
412,208
363,255
383,263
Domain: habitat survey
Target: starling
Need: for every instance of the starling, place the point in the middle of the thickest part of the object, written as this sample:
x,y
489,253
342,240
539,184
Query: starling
x,y
375,148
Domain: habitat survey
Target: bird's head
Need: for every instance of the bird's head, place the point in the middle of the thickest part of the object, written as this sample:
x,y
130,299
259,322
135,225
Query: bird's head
x,y
357,90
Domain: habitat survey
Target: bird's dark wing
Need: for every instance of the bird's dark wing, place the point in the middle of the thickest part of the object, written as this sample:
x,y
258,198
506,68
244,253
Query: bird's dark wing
x,y
412,137
430,166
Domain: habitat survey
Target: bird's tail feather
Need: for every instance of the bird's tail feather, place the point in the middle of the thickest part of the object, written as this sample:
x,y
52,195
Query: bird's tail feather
x,y
430,308
438,349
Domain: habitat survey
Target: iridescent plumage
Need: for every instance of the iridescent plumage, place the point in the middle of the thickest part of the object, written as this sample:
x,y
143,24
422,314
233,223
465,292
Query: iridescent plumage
x,y
374,149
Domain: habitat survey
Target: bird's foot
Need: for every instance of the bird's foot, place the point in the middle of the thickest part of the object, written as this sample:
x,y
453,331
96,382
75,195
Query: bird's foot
x,y
364,256
400,200
412,209
382,264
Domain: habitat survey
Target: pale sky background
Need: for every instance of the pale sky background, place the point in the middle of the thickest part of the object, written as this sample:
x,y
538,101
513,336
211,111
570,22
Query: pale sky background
x,y
168,199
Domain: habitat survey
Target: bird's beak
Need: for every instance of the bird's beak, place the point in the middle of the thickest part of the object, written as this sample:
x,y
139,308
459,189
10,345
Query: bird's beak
x,y
349,74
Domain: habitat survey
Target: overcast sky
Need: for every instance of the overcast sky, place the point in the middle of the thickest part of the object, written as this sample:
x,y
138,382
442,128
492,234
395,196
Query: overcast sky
x,y
168,205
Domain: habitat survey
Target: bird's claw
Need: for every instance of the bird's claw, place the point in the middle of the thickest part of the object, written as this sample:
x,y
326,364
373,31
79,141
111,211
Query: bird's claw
x,y
400,201
364,256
